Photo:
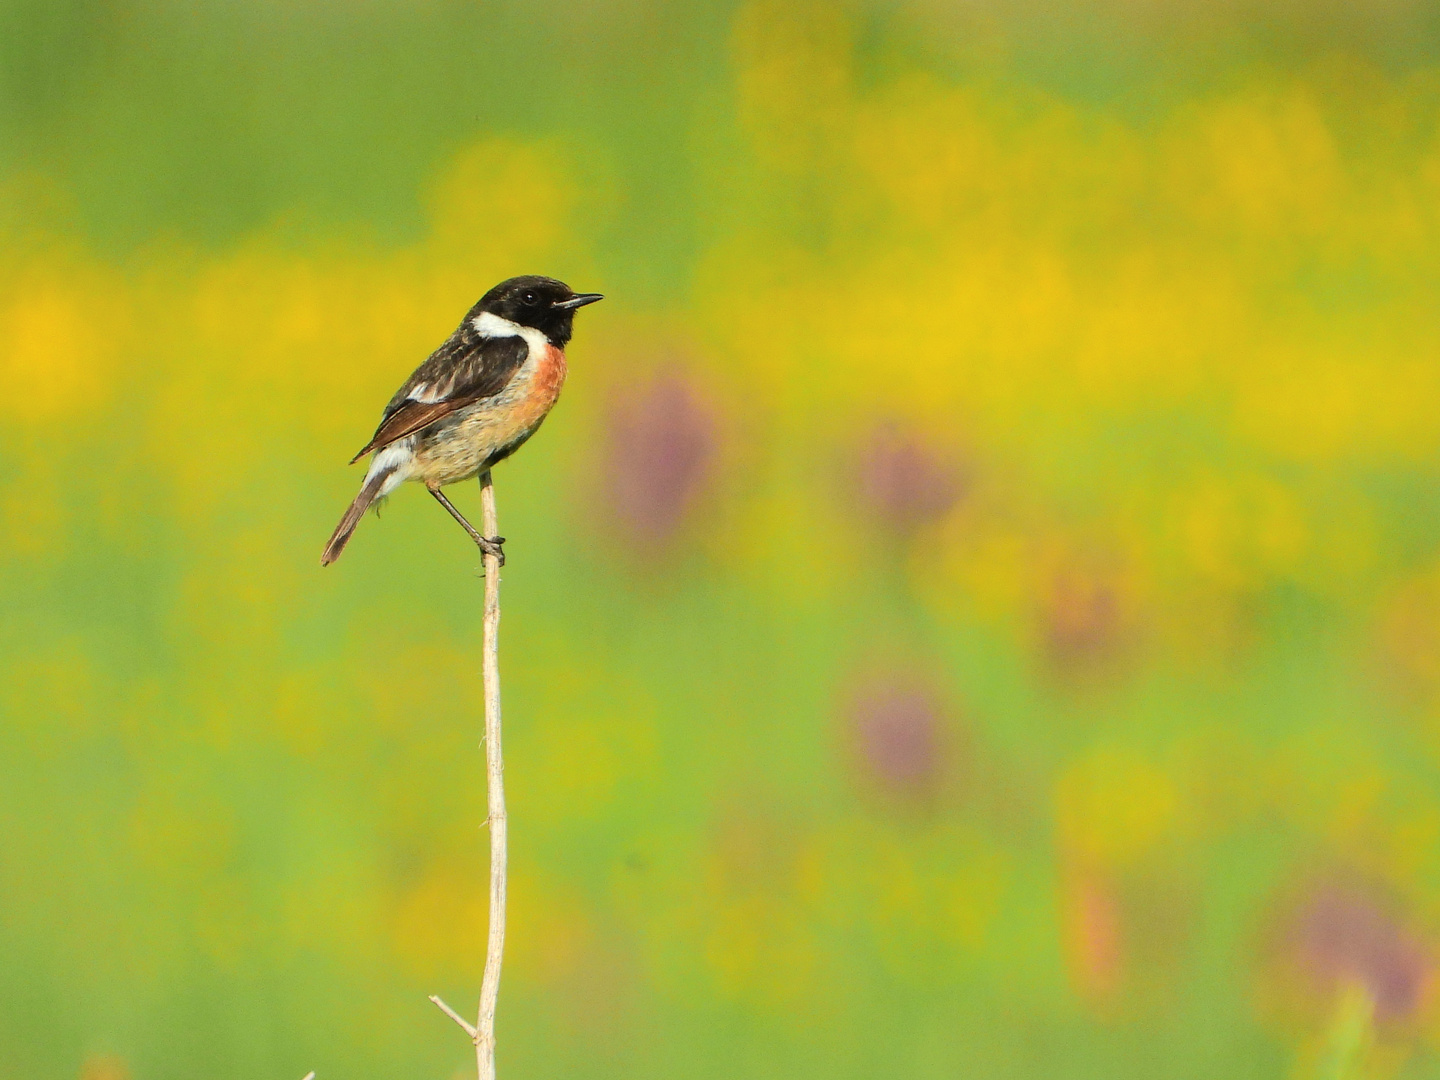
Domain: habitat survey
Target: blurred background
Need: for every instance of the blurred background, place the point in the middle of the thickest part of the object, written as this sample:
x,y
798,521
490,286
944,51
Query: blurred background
x,y
974,613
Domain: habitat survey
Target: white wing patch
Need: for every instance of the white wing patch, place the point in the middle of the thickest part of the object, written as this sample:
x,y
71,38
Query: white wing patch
x,y
428,395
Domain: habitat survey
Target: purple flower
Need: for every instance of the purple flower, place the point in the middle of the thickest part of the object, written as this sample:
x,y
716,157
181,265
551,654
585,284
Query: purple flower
x,y
662,449
896,725
905,482
1341,936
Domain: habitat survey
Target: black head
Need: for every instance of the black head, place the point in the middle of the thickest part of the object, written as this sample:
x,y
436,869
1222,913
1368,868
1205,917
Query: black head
x,y
540,302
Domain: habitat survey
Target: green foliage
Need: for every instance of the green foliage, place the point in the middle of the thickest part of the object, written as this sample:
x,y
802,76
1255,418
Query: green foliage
x,y
975,611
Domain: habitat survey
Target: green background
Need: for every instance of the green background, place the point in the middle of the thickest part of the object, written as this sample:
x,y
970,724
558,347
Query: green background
x,y
975,611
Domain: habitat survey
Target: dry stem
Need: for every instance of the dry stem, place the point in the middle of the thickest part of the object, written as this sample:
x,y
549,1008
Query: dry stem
x,y
482,1033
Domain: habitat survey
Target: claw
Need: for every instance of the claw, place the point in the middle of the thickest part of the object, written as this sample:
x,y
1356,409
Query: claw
x,y
491,545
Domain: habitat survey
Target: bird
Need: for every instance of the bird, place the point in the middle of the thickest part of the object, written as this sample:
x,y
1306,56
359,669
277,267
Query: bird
x,y
473,402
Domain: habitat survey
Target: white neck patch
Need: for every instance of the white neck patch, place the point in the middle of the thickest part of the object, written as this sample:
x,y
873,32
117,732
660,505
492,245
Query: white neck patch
x,y
488,324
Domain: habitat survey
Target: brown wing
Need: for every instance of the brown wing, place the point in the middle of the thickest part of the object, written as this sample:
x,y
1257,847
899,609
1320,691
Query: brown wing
x,y
464,370
410,418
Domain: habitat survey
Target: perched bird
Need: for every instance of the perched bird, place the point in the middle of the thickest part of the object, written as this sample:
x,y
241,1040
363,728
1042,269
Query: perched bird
x,y
474,402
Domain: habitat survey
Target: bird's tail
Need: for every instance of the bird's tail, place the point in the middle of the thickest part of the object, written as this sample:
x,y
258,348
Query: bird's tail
x,y
374,485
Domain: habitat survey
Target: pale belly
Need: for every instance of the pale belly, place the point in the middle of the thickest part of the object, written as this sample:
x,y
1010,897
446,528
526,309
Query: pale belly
x,y
470,440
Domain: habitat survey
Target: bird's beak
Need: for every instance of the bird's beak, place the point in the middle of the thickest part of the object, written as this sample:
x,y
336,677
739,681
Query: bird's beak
x,y
578,300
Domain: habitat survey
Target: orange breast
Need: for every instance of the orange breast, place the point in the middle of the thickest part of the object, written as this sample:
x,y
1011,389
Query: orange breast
x,y
549,377
536,398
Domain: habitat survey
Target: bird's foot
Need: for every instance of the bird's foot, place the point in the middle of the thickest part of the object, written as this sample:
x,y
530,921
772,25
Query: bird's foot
x,y
492,545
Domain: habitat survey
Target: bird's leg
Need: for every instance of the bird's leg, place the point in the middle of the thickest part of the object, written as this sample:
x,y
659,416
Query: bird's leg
x,y
490,545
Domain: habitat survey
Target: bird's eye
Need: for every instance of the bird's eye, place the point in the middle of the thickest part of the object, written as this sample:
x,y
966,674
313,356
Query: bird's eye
x,y
529,299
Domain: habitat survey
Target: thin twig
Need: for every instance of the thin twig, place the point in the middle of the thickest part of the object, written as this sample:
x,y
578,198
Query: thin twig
x,y
448,1011
495,790
482,1032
